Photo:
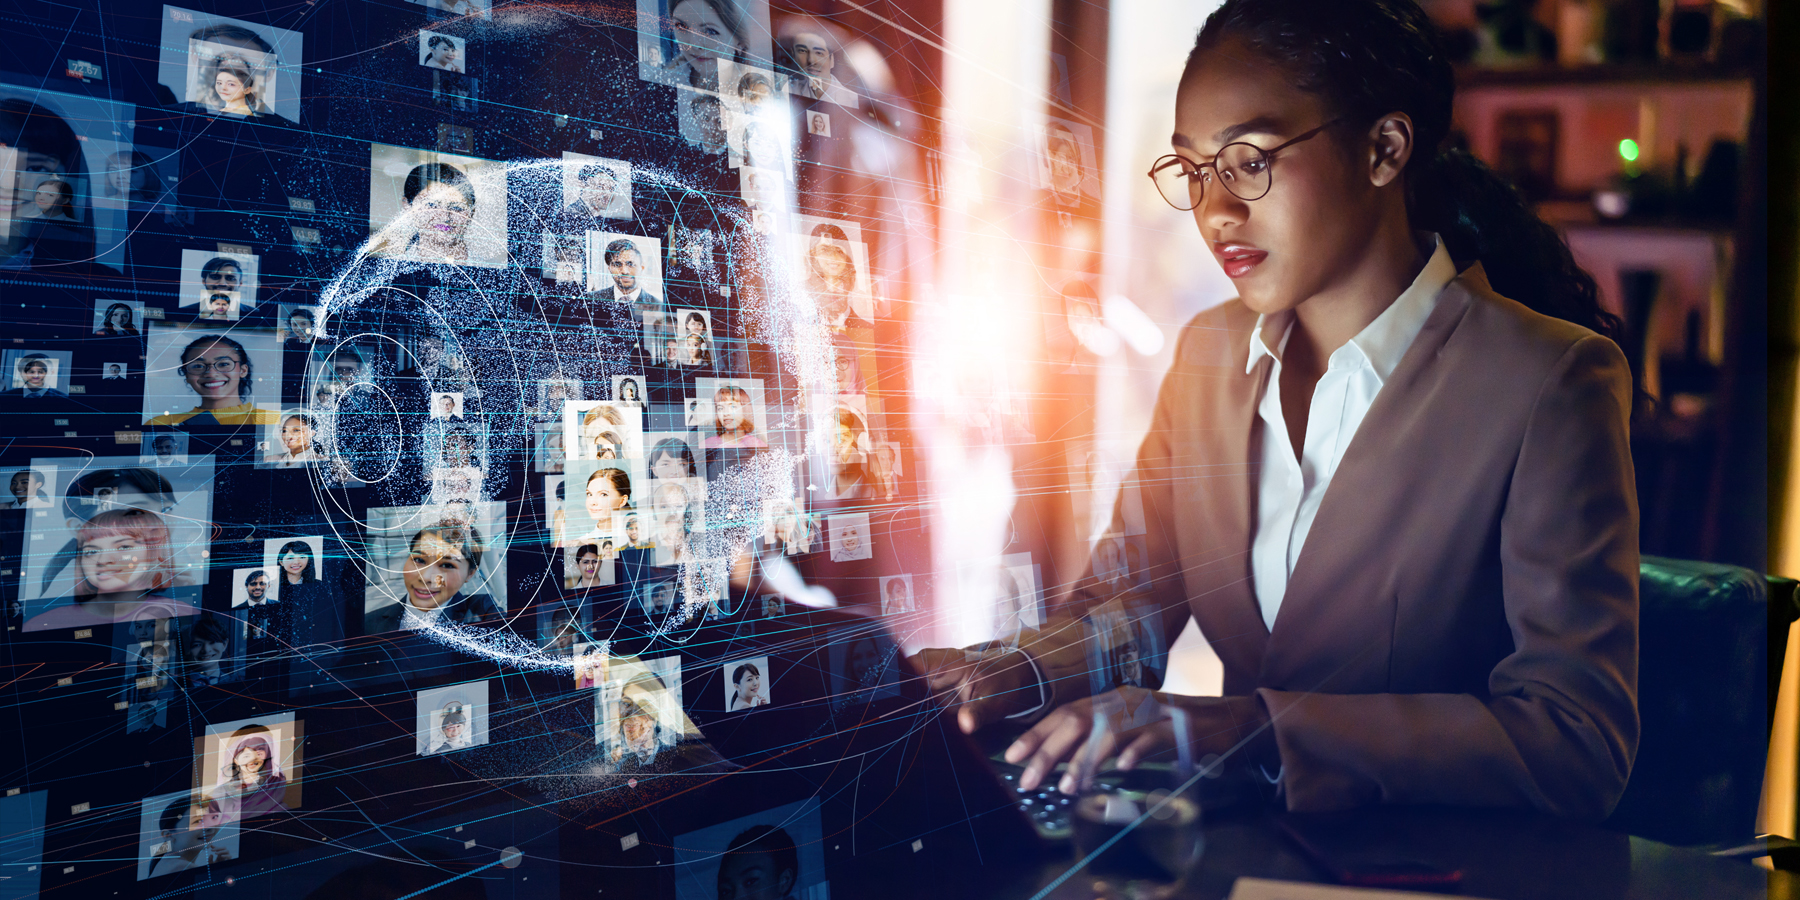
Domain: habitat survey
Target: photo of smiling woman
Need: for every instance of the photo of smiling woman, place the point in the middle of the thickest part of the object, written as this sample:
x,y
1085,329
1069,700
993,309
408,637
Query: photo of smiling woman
x,y
440,204
251,782
441,561
122,561
440,52
694,36
1409,334
233,88
219,371
294,444
734,422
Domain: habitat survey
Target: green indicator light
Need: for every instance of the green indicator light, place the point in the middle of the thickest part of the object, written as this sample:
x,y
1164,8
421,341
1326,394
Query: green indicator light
x,y
1628,150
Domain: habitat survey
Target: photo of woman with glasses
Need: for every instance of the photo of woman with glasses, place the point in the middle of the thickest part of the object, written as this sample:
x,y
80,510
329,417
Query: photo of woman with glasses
x,y
1433,412
219,371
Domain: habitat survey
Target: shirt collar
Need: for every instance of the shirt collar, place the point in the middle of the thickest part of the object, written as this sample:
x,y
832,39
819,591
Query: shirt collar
x,y
1384,341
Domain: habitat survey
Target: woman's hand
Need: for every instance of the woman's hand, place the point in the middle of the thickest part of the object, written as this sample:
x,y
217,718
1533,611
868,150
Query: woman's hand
x,y
1132,721
987,685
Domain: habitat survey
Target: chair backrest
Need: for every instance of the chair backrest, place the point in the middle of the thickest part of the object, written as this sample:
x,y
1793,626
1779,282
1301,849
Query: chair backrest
x,y
1705,701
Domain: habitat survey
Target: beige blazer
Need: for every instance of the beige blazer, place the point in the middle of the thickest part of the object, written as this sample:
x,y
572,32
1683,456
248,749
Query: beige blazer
x,y
1461,625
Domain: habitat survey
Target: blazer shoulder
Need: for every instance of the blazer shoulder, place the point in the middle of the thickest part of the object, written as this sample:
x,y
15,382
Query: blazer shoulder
x,y
1500,328
1216,338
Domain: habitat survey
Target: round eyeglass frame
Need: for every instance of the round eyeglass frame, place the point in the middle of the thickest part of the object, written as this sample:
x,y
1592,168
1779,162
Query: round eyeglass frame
x,y
1174,159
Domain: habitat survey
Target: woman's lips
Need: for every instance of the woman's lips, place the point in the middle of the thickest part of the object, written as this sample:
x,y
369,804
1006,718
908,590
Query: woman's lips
x,y
1238,259
422,594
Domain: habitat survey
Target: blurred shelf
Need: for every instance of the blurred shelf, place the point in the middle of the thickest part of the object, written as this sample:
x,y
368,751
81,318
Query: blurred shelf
x,y
1474,78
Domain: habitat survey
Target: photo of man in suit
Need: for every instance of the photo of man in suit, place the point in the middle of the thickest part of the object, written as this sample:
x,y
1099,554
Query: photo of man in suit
x,y
596,191
625,266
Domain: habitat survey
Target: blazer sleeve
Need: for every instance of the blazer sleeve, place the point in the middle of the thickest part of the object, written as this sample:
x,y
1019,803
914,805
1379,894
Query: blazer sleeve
x,y
1558,729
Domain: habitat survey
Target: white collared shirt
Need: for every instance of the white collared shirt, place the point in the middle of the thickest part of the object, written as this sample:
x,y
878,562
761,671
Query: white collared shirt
x,y
1291,487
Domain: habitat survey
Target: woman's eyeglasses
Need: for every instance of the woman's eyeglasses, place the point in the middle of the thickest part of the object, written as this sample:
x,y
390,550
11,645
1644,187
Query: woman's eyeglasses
x,y
1241,167
198,367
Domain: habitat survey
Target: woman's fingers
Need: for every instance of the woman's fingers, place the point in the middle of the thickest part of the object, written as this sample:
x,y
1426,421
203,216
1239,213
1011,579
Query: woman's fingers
x,y
1058,742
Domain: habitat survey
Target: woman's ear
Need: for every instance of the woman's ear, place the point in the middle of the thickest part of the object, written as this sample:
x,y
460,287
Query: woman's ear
x,y
1390,147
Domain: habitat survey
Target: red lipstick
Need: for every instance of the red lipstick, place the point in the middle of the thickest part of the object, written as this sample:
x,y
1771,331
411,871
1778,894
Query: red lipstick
x,y
1238,259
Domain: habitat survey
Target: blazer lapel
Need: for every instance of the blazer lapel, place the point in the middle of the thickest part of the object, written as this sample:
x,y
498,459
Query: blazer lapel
x,y
1367,472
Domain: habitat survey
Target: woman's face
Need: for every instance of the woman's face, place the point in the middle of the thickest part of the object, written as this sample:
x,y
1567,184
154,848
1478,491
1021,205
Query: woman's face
x,y
603,497
115,563
299,326
296,435
1318,219
845,445
119,177
694,346
750,685
120,318
590,565
628,390
852,540
293,563
208,651
702,34
434,572
668,465
250,759
445,54
229,87
33,169
696,326
729,411
46,198
214,372
443,213
224,278
638,731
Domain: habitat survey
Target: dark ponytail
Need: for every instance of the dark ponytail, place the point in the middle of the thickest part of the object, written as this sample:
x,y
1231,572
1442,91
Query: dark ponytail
x,y
1369,58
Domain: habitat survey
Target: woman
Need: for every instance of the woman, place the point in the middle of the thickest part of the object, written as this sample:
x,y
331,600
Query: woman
x,y
746,691
187,839
250,780
439,205
234,88
587,568
599,422
608,490
1464,629
697,352
217,307
452,731
628,393
440,561
300,326
295,562
733,426
788,529
590,669
119,321
297,451
830,278
672,460
45,147
219,371
130,177
638,737
123,563
206,648
441,53
706,31
53,202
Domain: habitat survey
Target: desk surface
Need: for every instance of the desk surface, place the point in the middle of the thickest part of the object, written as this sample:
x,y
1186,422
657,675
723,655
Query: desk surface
x,y
1503,855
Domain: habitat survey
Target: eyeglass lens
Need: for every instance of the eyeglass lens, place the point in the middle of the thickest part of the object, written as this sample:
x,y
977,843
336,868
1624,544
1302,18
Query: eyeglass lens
x,y
1243,169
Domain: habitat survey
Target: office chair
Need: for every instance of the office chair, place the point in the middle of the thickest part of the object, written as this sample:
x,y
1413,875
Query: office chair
x,y
1706,695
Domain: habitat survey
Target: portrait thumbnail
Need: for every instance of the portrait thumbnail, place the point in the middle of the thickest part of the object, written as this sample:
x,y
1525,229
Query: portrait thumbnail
x,y
591,664
1125,647
897,596
446,404
163,448
437,563
298,325
298,564
204,375
779,851
738,416
118,318
788,527
36,374
442,52
560,626
453,717
852,466
593,187
182,831
626,268
589,561
638,709
114,371
1011,581
210,652
226,66
628,390
62,155
133,535
834,273
29,487
219,287
436,207
747,683
1066,162
250,767
603,430
292,441
253,587
683,42
457,7
818,124
550,455
597,494
850,538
